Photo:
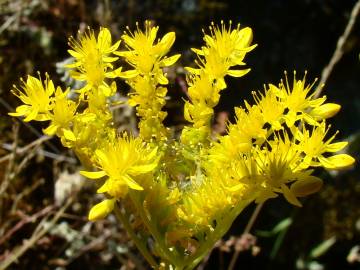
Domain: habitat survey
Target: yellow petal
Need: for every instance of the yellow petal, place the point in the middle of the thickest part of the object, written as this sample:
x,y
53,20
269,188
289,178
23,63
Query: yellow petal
x,y
74,54
334,147
264,195
69,135
113,74
153,33
141,169
93,175
221,83
50,130
88,117
197,51
246,37
129,74
103,188
131,183
73,65
102,157
341,161
128,40
209,40
170,60
102,209
306,187
193,70
325,111
289,196
109,59
115,46
50,88
20,110
152,154
167,41
32,115
235,188
104,38
238,73
162,79
42,117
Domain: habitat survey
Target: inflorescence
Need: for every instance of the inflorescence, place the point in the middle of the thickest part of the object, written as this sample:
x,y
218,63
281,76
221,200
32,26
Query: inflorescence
x,y
184,193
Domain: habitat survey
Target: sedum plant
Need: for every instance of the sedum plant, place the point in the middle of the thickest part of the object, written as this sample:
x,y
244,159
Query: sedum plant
x,y
177,196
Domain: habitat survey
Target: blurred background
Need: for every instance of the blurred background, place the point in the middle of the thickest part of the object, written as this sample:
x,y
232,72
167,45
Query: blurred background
x,y
43,200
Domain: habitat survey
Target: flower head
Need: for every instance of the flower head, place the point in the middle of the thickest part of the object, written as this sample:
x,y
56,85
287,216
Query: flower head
x,y
92,56
122,161
270,107
147,56
36,96
225,48
280,166
62,113
298,100
314,146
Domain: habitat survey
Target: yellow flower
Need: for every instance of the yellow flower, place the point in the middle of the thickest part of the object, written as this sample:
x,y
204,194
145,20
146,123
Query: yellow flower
x,y
247,130
145,92
271,108
62,114
298,100
145,56
281,166
122,161
36,96
224,49
92,56
201,89
315,146
216,192
230,43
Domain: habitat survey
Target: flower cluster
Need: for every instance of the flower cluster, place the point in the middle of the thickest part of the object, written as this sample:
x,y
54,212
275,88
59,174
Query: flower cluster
x,y
147,79
224,48
122,160
184,193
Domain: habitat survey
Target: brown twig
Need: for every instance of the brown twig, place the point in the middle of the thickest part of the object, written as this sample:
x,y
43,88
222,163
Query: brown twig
x,y
339,51
35,145
247,230
26,191
25,220
24,149
9,175
95,242
39,232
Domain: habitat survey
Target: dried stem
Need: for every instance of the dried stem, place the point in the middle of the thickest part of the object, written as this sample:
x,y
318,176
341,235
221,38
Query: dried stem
x,y
25,220
39,232
247,230
339,51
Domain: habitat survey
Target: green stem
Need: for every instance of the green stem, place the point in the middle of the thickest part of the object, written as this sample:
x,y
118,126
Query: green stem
x,y
139,244
169,256
221,228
